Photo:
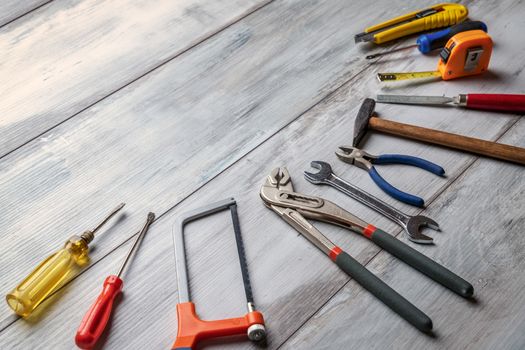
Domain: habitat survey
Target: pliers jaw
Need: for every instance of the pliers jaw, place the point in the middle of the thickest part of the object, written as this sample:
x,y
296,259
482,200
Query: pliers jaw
x,y
278,194
356,156
366,161
278,191
278,180
296,208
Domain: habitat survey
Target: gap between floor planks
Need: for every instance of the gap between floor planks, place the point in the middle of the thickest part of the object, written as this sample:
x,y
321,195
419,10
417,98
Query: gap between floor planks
x,y
491,314
399,231
311,93
8,321
243,157
43,115
19,10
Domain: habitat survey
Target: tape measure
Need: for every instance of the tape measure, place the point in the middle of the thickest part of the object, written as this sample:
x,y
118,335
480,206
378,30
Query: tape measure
x,y
466,53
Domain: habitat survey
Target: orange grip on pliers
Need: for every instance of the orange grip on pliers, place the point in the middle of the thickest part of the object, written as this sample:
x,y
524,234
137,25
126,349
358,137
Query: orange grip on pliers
x,y
192,329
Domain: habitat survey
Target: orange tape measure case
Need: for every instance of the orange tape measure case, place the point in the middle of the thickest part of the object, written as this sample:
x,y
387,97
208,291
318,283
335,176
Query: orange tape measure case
x,y
466,53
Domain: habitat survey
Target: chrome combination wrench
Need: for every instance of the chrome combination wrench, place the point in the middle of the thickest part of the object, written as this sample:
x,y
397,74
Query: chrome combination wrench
x,y
411,224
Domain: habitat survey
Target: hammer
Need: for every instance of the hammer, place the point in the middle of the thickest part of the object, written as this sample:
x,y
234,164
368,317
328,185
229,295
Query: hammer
x,y
366,119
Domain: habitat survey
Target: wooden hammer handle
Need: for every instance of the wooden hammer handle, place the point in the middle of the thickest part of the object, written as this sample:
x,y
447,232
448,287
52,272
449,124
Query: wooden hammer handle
x,y
465,143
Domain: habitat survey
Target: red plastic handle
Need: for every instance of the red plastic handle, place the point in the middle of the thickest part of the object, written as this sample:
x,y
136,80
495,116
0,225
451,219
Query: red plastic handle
x,y
192,329
97,317
496,102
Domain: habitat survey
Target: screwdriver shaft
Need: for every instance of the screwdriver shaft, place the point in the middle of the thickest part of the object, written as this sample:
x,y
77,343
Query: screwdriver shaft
x,y
53,272
106,219
96,319
141,234
369,57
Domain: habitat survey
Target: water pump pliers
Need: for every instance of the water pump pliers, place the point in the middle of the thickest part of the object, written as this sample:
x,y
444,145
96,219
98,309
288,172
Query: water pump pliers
x,y
295,208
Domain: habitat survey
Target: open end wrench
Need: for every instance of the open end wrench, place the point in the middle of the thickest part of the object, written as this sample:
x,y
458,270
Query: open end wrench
x,y
411,224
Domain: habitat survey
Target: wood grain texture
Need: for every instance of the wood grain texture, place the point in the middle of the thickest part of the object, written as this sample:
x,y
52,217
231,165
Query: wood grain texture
x,y
447,139
161,138
13,9
291,279
73,53
152,169
482,218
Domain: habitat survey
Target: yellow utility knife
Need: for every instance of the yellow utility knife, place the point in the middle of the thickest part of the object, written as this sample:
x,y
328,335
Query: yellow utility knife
x,y
438,16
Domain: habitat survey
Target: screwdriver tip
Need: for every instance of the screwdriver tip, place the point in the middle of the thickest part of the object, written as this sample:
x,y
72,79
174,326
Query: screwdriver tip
x,y
151,216
369,57
110,215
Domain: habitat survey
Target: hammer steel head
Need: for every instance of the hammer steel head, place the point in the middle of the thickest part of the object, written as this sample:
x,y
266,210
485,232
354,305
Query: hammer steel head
x,y
361,121
325,171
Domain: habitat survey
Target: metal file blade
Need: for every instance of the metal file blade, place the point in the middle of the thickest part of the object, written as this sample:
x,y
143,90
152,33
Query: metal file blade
x,y
415,100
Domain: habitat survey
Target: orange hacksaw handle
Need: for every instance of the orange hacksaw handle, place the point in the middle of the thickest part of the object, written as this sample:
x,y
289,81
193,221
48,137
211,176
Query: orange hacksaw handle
x,y
192,329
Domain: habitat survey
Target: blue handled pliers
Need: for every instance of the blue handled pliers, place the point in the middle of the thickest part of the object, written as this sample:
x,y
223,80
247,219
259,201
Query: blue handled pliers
x,y
366,161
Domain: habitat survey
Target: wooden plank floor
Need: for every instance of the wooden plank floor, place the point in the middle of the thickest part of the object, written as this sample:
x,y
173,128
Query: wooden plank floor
x,y
172,106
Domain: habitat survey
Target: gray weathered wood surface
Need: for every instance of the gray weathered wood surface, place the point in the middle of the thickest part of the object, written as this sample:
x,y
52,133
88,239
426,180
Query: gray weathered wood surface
x,y
484,242
279,86
11,10
72,54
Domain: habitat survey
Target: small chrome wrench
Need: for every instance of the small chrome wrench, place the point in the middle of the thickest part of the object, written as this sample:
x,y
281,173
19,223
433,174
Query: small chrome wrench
x,y
411,224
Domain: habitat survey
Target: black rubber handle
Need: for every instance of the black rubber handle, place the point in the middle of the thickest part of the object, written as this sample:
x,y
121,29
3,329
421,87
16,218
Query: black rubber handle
x,y
429,267
383,292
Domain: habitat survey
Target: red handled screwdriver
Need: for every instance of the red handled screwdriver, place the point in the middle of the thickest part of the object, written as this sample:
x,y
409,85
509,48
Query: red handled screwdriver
x,y
96,319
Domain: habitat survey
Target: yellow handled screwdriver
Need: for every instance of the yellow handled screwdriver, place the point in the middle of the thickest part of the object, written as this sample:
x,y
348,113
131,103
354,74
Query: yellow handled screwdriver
x,y
47,277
